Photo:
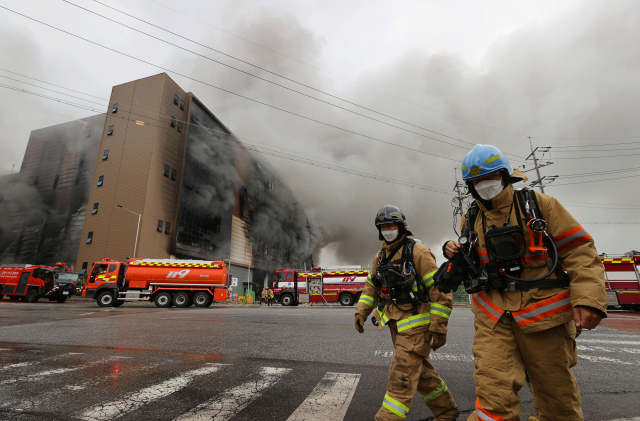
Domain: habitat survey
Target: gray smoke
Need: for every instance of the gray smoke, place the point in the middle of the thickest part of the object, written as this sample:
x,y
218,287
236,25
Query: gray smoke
x,y
571,76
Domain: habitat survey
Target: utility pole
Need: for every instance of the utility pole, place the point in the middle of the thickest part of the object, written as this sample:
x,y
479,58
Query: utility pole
x,y
535,163
536,166
460,197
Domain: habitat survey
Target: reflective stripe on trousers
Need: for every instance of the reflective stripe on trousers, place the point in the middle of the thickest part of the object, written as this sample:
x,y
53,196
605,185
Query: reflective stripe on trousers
x,y
488,416
436,393
370,301
413,321
440,310
395,406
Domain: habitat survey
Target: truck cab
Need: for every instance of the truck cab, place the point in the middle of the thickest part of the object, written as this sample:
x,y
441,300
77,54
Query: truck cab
x,y
105,280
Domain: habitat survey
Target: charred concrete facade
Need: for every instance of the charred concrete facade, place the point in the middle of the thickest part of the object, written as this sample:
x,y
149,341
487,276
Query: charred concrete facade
x,y
43,206
161,154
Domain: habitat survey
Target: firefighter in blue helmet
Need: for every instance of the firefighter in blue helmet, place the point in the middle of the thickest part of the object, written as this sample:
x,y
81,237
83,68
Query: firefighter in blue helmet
x,y
400,290
528,310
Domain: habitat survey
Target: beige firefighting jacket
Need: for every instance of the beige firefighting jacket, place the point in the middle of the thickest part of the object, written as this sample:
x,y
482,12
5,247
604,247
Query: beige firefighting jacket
x,y
433,317
539,309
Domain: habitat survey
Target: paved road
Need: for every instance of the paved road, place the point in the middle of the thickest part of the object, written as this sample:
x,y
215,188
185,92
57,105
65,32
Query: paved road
x,y
138,362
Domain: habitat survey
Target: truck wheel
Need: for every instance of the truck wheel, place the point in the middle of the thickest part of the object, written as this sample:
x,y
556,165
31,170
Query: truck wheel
x,y
163,300
202,299
14,297
346,299
181,299
286,300
118,303
32,296
105,299
61,299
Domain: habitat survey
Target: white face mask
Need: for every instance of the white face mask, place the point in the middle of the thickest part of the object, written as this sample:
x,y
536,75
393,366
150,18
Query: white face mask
x,y
488,189
390,235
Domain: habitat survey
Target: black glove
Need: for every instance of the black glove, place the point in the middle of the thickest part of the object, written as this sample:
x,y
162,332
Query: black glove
x,y
449,276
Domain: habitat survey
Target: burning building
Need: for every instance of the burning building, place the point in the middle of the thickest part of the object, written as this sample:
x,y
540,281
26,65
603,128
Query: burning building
x,y
157,176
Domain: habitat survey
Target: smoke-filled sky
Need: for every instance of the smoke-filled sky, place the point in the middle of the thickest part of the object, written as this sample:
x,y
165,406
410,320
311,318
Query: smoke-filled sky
x,y
564,73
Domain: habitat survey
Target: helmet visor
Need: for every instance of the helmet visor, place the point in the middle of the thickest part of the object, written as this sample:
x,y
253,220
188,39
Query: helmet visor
x,y
505,243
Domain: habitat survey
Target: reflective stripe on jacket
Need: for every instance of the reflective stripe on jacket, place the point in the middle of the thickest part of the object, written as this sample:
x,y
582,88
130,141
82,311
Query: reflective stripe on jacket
x,y
432,316
576,252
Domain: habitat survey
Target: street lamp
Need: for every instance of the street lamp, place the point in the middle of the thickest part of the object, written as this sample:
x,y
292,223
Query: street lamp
x,y
135,247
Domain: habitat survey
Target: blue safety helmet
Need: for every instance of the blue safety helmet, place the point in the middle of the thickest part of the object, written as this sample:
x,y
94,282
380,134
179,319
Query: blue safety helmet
x,y
483,160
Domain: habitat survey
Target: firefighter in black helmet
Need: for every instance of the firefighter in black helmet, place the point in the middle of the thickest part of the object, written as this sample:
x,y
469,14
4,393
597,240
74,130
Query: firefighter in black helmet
x,y
400,288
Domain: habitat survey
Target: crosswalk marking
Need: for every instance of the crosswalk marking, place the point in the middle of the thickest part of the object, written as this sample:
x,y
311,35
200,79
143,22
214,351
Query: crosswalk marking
x,y
597,359
329,400
135,400
232,401
38,376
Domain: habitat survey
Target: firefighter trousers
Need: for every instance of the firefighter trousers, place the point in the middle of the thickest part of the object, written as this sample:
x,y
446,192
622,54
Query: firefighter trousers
x,y
505,357
412,370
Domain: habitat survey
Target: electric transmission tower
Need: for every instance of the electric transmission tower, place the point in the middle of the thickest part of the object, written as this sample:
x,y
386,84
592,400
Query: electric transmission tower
x,y
541,181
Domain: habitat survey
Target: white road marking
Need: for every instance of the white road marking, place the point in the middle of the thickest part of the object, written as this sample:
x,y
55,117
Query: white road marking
x,y
603,349
230,402
435,356
601,341
38,376
329,400
135,400
18,365
5,349
595,359
84,314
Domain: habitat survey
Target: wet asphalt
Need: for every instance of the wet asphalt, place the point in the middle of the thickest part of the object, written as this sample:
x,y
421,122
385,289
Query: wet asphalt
x,y
138,362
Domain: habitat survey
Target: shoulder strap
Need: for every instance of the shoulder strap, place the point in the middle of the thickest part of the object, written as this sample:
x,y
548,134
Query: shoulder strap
x,y
389,256
472,214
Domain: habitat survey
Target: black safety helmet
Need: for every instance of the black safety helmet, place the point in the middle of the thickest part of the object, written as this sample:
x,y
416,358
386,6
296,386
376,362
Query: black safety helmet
x,y
388,215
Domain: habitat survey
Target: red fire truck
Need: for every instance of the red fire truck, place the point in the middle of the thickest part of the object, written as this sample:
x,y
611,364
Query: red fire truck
x,y
181,283
32,282
25,282
331,285
622,278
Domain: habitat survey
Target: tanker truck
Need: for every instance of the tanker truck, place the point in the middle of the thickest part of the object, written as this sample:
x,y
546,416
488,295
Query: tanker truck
x,y
166,282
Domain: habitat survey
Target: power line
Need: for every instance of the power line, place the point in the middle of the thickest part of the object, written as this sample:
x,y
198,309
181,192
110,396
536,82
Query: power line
x,y
586,138
49,83
594,181
600,150
600,144
129,106
225,90
601,156
590,174
270,72
62,93
334,74
262,150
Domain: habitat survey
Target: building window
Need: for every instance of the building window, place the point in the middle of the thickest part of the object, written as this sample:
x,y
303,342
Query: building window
x,y
106,154
167,227
173,122
176,99
179,126
95,209
100,180
159,225
181,105
110,131
84,268
174,174
90,237
115,108
166,170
